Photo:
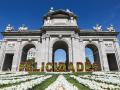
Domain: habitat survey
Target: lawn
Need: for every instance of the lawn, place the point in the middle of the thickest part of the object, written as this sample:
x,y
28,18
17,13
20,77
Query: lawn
x,y
45,83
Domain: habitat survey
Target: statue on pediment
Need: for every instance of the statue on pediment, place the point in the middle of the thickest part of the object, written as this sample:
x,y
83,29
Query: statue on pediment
x,y
9,28
23,28
97,27
51,9
111,28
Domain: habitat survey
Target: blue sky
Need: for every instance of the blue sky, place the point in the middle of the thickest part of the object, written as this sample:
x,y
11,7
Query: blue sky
x,y
30,12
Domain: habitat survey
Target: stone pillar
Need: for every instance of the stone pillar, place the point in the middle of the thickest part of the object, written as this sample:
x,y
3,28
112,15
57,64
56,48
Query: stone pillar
x,y
38,54
117,52
82,53
47,49
2,53
76,51
73,52
70,51
17,56
103,56
43,48
50,50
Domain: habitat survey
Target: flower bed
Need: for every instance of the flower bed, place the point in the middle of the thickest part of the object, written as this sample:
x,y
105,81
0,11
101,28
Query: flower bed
x,y
28,84
61,82
18,79
100,80
12,74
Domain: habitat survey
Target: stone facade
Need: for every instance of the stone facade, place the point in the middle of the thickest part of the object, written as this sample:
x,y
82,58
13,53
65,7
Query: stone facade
x,y
60,27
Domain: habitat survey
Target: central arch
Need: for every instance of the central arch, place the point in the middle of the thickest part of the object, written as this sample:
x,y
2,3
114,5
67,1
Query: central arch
x,y
60,45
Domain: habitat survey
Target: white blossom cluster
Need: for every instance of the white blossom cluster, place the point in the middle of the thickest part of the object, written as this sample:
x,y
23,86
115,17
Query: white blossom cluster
x,y
109,78
116,74
26,81
8,74
100,80
61,84
12,80
28,84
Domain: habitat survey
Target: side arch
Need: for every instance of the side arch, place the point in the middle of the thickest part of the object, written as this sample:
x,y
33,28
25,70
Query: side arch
x,y
96,53
25,47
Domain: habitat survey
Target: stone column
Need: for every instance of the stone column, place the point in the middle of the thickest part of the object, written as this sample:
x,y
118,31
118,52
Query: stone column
x,y
73,52
117,52
2,53
38,54
17,56
47,49
70,50
76,51
82,53
50,50
43,48
103,56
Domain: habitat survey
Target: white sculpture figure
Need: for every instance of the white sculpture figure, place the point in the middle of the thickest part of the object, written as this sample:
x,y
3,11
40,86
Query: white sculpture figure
x,y
9,28
67,10
51,9
23,28
111,28
97,27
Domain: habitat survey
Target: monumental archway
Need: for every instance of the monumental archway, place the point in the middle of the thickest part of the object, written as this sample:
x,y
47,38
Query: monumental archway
x,y
60,45
61,26
95,52
25,50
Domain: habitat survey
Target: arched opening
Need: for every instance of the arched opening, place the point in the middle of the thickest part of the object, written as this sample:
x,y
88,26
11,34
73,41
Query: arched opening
x,y
28,52
89,55
60,55
28,58
7,65
92,54
112,62
60,47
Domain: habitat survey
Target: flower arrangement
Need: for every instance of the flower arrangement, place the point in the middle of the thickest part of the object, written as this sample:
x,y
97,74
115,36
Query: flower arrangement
x,y
28,84
100,80
62,83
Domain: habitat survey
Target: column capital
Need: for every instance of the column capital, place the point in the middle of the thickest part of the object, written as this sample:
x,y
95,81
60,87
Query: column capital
x,y
43,37
39,39
29,40
115,40
101,40
60,36
81,40
19,40
90,39
72,35
47,36
5,40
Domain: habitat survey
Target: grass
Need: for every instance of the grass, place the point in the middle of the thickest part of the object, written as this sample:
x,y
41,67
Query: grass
x,y
36,73
76,83
45,83
82,73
